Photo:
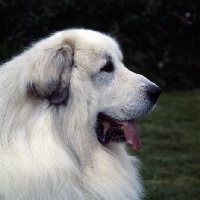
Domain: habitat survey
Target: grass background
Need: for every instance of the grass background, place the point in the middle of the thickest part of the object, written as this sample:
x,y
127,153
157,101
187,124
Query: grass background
x,y
171,147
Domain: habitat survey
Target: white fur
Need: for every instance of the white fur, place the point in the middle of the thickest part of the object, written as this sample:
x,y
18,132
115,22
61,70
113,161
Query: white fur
x,y
51,152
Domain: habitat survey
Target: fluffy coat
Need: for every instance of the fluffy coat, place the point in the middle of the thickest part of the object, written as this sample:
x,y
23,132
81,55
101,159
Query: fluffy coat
x,y
51,95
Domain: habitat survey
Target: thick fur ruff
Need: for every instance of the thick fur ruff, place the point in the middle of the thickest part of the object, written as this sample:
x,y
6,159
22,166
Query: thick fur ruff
x,y
51,95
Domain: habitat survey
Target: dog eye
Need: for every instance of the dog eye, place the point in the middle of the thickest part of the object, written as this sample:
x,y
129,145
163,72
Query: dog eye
x,y
108,67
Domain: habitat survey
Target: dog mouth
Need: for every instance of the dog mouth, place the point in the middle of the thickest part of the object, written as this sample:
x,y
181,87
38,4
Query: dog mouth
x,y
109,129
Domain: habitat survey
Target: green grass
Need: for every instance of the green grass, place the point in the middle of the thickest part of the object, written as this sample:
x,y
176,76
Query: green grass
x,y
171,148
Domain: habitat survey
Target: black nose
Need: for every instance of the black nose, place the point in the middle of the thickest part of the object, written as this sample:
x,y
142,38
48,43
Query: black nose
x,y
153,92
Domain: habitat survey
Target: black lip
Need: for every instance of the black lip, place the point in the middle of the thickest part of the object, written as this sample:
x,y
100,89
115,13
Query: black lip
x,y
112,134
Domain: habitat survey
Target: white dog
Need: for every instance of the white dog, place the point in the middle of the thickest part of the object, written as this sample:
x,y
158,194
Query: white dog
x,y
67,104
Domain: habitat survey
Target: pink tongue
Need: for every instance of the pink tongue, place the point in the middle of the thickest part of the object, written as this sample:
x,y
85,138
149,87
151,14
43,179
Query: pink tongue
x,y
131,134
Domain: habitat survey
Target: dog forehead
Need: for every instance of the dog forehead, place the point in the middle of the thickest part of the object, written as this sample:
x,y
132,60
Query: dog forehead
x,y
99,41
90,40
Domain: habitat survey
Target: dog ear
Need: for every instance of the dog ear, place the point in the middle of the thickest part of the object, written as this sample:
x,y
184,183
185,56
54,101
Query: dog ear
x,y
51,74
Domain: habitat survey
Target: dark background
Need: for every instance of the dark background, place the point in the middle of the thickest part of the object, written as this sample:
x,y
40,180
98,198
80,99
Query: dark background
x,y
159,38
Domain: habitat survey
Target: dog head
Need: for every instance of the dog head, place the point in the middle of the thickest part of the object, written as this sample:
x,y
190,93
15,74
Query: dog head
x,y
84,70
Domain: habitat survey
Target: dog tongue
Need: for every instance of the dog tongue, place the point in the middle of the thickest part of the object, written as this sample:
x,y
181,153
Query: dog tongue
x,y
129,129
131,134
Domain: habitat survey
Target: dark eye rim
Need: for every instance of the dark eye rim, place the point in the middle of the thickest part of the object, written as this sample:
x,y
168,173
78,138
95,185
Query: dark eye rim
x,y
108,67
